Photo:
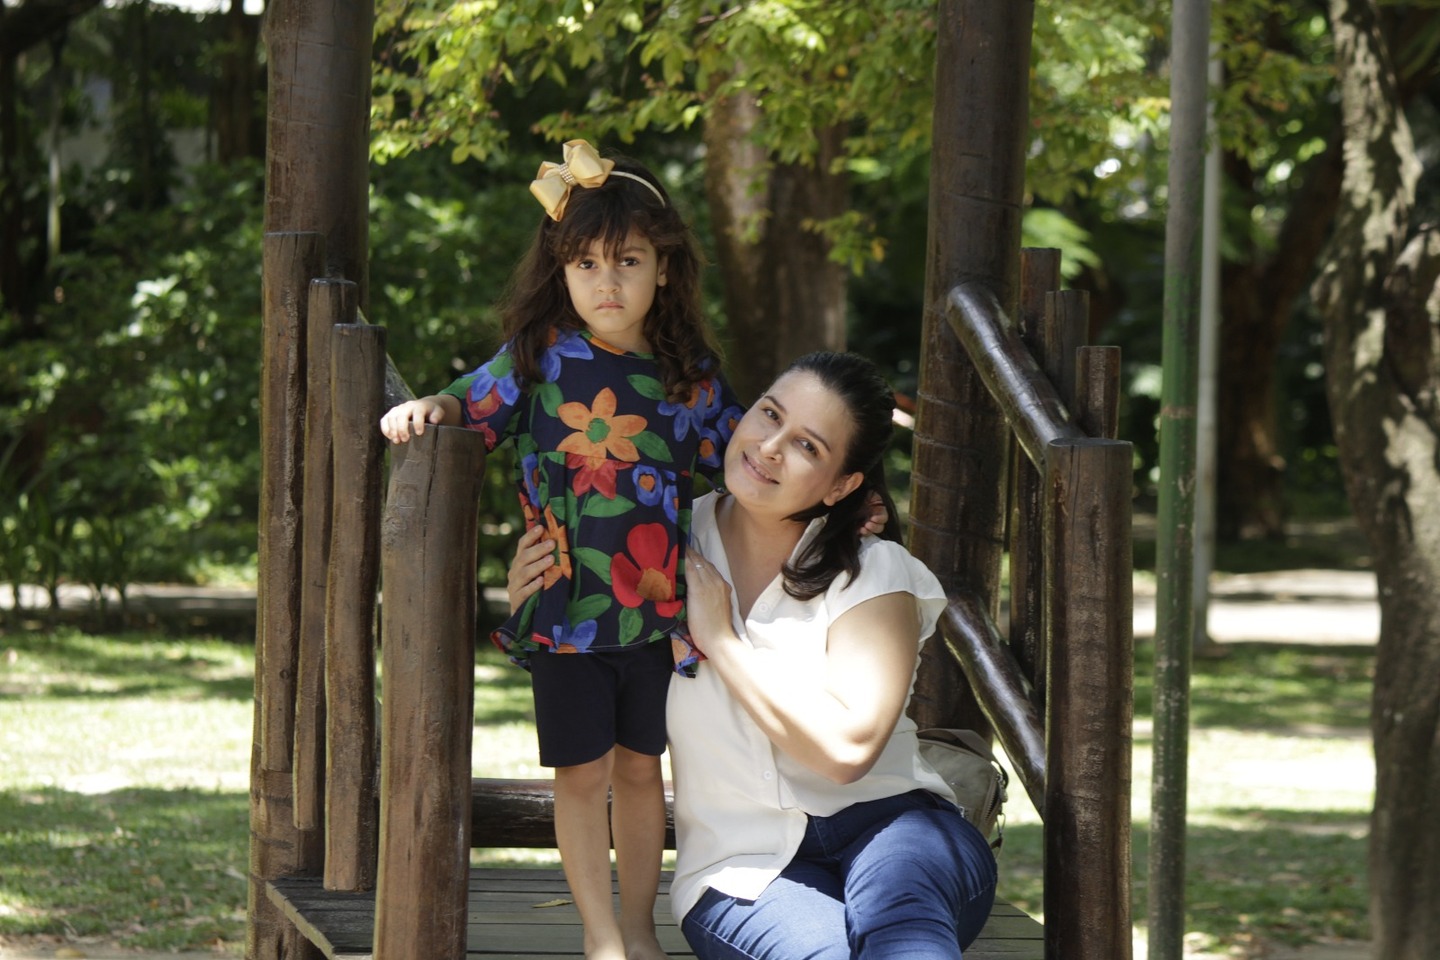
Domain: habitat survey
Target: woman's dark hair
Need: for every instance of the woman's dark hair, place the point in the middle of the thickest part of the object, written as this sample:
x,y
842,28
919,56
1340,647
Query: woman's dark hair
x,y
870,401
537,300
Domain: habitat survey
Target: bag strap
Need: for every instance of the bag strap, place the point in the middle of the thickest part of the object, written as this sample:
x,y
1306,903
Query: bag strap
x,y
968,739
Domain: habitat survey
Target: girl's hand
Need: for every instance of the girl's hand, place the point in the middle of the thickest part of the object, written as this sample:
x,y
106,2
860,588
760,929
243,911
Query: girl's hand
x,y
534,554
876,517
707,603
397,424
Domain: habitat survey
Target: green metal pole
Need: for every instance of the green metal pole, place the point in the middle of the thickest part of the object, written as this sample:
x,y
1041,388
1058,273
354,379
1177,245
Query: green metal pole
x,y
1174,563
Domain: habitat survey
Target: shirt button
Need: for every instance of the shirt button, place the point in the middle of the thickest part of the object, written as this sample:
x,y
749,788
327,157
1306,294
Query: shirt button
x,y
763,607
768,775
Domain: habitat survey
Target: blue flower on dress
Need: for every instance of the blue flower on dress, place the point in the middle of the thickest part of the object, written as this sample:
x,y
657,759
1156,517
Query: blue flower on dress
x,y
672,503
649,485
576,638
692,414
711,452
530,476
568,343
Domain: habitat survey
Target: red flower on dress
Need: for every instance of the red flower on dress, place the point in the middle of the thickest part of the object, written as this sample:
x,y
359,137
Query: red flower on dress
x,y
478,411
646,570
594,473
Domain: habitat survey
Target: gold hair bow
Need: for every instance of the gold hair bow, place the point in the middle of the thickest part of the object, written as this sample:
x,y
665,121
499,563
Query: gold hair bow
x,y
583,165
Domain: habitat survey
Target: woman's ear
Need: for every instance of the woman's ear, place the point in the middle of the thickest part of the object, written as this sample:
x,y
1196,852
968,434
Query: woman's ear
x,y
660,275
843,488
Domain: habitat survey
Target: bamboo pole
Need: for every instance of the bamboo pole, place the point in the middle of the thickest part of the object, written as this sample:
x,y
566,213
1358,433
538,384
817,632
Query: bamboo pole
x,y
1175,536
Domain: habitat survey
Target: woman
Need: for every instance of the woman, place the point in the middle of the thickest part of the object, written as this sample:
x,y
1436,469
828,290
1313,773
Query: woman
x,y
806,823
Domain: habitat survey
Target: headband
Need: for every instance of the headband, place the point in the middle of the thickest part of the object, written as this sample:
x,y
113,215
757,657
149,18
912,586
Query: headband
x,y
584,166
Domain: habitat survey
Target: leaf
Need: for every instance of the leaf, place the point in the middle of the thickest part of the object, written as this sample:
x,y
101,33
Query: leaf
x,y
558,902
652,446
630,624
593,560
648,387
600,507
588,609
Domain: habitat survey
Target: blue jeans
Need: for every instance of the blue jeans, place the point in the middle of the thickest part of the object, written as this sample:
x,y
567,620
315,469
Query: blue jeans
x,y
903,878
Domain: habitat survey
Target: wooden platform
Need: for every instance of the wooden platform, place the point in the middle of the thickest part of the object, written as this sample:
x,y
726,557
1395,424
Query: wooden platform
x,y
510,918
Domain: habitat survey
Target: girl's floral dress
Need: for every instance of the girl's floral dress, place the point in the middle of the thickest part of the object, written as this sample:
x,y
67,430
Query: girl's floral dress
x,y
607,464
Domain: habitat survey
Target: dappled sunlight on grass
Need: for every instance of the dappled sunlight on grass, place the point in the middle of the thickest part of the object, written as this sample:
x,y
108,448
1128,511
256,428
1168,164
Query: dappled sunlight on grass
x,y
124,769
143,865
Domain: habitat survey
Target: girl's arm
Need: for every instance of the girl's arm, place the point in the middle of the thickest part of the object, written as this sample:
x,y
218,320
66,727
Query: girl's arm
x,y
413,415
836,723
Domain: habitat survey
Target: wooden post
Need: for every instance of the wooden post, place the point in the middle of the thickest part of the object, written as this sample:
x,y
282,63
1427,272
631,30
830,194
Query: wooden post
x,y
277,848
1090,705
982,69
1097,391
331,302
428,654
357,385
1039,275
317,173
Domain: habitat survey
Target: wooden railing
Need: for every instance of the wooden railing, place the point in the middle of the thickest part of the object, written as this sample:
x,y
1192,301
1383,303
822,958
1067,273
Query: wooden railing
x,y
1056,685
1059,690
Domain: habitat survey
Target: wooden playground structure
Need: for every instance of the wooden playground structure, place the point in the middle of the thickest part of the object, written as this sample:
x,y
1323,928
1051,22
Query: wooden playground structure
x,y
363,820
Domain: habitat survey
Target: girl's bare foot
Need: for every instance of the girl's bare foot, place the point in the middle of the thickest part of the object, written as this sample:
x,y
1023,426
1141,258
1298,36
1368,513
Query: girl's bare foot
x,y
644,947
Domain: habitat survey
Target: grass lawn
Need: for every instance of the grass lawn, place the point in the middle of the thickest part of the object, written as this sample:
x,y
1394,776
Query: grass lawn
x,y
124,809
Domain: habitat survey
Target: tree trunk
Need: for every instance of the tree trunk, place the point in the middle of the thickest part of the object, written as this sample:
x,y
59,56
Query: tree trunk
x,y
783,296
1379,292
1257,298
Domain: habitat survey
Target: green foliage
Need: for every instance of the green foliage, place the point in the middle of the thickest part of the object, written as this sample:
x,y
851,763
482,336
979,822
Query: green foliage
x,y
145,384
148,348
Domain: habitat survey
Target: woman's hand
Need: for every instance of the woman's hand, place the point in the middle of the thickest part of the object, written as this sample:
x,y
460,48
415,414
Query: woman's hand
x,y
534,554
707,603
413,415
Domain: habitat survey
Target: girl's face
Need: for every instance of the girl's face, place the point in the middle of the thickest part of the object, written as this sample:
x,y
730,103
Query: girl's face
x,y
613,295
788,452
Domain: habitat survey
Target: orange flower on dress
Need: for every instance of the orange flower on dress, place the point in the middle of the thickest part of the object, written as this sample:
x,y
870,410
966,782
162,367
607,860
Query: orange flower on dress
x,y
599,431
557,532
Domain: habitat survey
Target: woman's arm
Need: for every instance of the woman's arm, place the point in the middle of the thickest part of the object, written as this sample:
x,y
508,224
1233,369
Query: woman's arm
x,y
837,723
534,554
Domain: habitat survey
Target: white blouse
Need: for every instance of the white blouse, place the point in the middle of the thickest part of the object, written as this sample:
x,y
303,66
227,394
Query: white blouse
x,y
740,803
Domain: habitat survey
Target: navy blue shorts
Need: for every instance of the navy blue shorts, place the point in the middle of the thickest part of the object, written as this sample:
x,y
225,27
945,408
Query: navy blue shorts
x,y
586,703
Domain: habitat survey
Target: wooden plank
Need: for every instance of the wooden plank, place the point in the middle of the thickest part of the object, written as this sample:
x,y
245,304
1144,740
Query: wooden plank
x,y
507,921
521,813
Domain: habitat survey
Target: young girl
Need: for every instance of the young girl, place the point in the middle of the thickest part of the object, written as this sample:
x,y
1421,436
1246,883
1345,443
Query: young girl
x,y
609,384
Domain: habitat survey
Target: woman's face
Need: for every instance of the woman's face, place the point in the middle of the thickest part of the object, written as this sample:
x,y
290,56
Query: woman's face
x,y
788,451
